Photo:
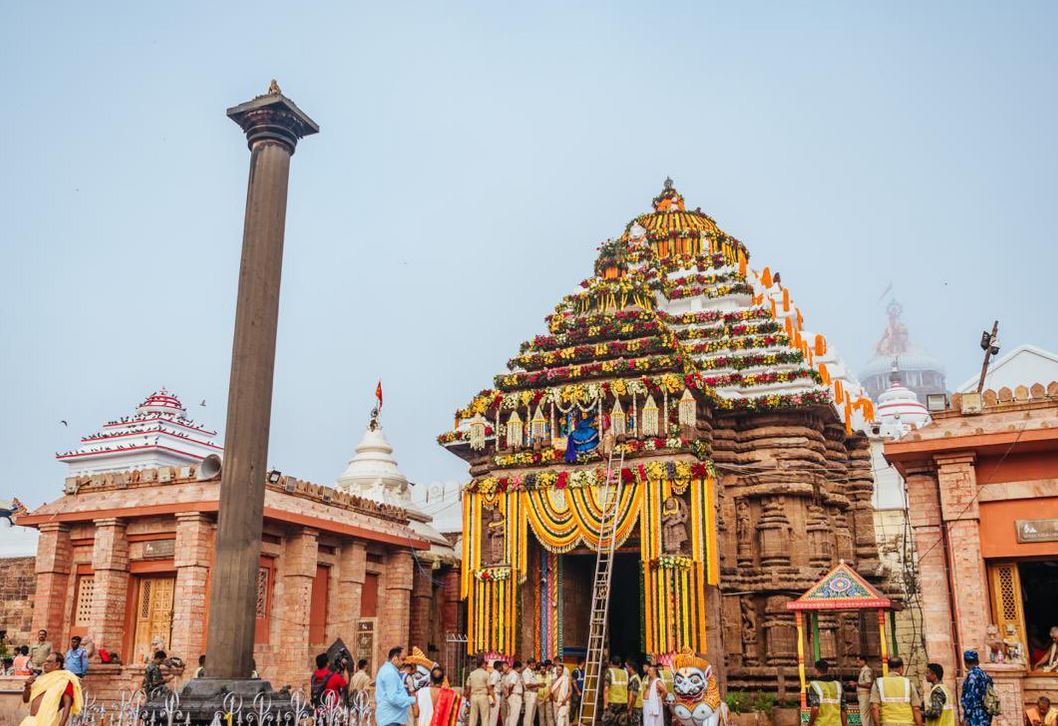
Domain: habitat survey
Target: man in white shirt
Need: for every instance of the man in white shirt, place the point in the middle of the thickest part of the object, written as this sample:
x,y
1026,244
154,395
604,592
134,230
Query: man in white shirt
x,y
561,690
499,668
532,683
513,688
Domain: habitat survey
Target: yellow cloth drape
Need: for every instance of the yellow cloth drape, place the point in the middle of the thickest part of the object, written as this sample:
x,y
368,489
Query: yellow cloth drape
x,y
52,686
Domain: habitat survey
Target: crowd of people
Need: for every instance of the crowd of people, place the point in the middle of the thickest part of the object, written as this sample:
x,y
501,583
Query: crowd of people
x,y
414,691
897,700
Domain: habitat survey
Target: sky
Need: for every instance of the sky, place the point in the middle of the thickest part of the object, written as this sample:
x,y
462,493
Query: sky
x,y
471,158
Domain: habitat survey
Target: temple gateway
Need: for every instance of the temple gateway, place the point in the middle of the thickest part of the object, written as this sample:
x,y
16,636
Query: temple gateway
x,y
746,475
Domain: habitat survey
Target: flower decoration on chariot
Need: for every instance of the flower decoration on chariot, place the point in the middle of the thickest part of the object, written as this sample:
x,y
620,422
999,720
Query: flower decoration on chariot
x,y
669,200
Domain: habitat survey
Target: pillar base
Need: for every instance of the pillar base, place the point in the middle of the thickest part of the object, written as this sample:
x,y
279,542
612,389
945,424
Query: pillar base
x,y
200,701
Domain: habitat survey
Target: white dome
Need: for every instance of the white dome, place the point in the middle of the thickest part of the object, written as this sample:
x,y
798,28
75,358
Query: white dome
x,y
911,359
899,410
373,472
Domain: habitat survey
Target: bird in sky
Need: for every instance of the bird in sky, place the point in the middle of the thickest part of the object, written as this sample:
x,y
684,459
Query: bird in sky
x,y
63,422
203,402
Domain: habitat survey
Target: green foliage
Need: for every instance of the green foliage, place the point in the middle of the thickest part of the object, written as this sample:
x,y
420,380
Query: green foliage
x,y
764,702
737,701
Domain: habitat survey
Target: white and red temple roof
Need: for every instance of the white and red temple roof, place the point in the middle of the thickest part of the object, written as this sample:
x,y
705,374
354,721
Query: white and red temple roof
x,y
159,433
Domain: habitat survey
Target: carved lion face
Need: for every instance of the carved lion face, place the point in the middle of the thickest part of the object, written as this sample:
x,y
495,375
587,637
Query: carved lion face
x,y
689,683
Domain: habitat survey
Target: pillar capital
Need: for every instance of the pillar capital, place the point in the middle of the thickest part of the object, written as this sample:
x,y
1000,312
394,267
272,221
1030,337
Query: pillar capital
x,y
273,117
109,522
53,527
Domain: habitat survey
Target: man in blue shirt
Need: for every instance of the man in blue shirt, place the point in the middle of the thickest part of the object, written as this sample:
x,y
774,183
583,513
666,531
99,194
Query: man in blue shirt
x,y
76,660
392,699
974,690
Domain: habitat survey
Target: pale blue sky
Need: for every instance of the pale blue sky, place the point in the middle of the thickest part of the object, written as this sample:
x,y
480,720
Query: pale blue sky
x,y
471,158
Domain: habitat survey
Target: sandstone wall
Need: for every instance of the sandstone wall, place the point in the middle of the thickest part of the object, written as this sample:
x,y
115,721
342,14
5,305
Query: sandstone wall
x,y
18,583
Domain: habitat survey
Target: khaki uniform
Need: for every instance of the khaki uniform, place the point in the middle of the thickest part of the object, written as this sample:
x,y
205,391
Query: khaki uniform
x,y
863,695
530,678
478,684
515,688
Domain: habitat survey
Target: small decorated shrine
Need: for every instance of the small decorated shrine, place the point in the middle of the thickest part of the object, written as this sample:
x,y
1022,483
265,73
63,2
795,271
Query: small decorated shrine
x,y
840,590
745,472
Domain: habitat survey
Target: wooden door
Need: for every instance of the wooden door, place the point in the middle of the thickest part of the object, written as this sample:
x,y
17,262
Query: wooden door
x,y
154,614
1007,609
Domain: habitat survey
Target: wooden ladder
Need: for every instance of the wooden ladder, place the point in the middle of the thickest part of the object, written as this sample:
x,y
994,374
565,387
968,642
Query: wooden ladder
x,y
595,659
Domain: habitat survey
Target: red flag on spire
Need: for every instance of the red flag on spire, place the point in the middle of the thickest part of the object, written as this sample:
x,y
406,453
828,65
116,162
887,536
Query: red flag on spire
x,y
378,394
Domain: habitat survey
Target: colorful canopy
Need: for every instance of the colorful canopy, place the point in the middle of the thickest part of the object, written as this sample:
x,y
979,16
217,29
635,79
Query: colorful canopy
x,y
840,589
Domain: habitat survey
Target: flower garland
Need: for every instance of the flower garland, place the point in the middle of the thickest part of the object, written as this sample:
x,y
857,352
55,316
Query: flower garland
x,y
489,400
710,292
633,448
769,340
492,574
773,401
699,279
606,330
676,471
672,562
647,364
732,330
580,353
565,321
715,316
753,360
462,435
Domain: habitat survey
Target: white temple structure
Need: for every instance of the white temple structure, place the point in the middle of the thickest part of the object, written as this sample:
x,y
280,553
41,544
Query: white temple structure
x,y
919,371
158,434
373,473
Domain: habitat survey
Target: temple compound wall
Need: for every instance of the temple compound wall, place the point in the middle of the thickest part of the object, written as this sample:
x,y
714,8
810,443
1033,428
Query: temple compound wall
x,y
125,558
983,501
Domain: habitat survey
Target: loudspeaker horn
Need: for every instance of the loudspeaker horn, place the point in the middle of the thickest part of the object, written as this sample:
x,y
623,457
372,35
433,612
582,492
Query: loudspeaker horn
x,y
209,468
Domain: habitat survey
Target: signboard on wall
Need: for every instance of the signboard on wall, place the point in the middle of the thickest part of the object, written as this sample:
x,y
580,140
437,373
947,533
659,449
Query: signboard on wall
x,y
1037,530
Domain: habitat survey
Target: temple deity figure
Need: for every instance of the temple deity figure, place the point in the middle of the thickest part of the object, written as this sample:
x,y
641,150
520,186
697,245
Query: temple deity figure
x,y
744,530
749,630
583,436
696,691
494,525
674,526
418,681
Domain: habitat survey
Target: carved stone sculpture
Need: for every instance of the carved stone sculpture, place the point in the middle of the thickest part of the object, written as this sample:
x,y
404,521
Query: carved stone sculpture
x,y
674,526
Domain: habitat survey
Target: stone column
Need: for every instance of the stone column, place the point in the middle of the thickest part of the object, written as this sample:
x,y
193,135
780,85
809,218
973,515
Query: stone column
x,y
110,564
273,125
927,529
352,570
958,503
394,604
422,605
297,571
860,489
450,601
54,554
194,554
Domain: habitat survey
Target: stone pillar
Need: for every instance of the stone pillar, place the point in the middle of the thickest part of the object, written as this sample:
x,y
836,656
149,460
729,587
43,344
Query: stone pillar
x,y
273,125
110,563
352,562
297,572
54,554
958,502
450,621
422,605
924,512
395,602
194,555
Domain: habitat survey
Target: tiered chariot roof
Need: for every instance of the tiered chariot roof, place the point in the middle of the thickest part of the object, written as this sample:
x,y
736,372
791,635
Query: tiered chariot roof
x,y
673,311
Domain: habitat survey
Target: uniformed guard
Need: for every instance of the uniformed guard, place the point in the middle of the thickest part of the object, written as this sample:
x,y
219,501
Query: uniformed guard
x,y
615,695
895,701
940,706
825,703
